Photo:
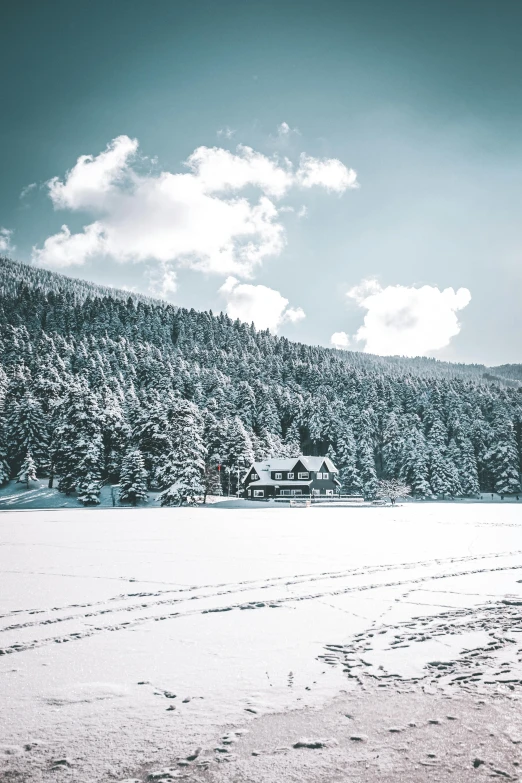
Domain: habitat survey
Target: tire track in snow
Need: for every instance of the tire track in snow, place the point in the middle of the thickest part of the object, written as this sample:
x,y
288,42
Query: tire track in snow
x,y
243,585
275,603
236,587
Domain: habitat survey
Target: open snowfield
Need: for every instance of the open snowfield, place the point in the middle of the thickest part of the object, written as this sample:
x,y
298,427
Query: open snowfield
x,y
176,643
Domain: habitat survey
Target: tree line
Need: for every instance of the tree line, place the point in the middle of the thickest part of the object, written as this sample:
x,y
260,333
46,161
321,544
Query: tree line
x,y
97,385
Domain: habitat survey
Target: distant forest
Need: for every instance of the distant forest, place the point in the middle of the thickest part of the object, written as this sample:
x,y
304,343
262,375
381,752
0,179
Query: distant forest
x,y
97,386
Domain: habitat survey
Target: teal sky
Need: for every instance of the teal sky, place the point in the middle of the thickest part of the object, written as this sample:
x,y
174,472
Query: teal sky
x,y
422,100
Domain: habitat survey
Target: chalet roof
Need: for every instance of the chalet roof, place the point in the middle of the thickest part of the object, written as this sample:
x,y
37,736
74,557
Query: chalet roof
x,y
266,480
264,468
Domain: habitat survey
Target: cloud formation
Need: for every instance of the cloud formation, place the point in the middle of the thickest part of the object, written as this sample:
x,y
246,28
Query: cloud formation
x,y
407,321
198,218
5,241
267,308
340,340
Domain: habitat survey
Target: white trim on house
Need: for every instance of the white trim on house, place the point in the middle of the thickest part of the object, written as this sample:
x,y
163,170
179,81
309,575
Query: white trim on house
x,y
265,468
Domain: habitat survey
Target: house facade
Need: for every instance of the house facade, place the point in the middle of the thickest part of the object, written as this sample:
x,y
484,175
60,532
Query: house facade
x,y
291,477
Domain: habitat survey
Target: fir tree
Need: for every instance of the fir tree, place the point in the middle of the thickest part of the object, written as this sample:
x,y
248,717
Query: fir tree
x,y
366,456
502,457
469,478
133,478
346,451
27,471
88,482
182,475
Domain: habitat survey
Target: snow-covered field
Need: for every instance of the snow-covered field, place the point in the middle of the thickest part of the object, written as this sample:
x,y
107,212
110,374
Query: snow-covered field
x,y
130,639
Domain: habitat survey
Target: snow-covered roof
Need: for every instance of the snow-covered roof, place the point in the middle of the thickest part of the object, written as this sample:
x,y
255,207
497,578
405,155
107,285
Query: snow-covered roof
x,y
267,466
266,479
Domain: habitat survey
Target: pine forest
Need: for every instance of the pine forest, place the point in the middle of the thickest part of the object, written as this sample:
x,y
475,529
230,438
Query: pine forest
x,y
102,386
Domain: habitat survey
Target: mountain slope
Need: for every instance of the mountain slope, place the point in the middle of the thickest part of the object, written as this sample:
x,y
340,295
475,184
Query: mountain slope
x,y
89,374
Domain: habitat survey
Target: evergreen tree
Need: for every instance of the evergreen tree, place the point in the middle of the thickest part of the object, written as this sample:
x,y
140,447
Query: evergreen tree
x,y
88,480
27,471
366,456
27,431
346,451
133,478
182,475
468,470
502,457
414,463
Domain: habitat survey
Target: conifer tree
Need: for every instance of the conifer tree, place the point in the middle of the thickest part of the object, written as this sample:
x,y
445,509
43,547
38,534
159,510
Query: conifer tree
x,y
133,478
182,475
27,471
366,456
88,481
414,464
502,457
346,451
468,470
27,431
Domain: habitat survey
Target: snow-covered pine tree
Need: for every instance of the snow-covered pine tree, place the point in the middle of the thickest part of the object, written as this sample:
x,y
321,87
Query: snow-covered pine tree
x,y
414,462
468,472
182,475
502,457
366,455
346,451
211,480
392,446
78,428
239,451
133,478
27,471
88,481
27,431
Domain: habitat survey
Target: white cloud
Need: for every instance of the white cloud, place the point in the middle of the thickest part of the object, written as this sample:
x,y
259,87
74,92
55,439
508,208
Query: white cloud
x,y
284,130
66,249
328,173
407,321
267,308
28,188
5,241
340,340
163,282
221,170
198,218
94,179
226,132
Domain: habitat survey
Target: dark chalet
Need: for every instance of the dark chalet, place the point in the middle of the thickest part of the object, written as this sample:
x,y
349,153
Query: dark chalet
x,y
291,477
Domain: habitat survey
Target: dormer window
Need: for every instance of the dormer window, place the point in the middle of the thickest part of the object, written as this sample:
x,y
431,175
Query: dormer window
x,y
325,476
254,476
290,476
319,475
278,476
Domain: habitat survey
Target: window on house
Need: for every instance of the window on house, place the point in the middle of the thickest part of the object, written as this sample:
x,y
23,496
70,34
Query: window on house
x,y
290,476
286,492
278,476
249,493
325,476
302,475
319,475
329,491
297,492
254,476
316,492
259,493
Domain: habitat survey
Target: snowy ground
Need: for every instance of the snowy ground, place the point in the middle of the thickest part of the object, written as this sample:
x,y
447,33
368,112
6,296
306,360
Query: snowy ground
x,y
176,643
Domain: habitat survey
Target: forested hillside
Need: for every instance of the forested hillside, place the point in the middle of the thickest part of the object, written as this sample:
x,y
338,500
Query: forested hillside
x,y
98,385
